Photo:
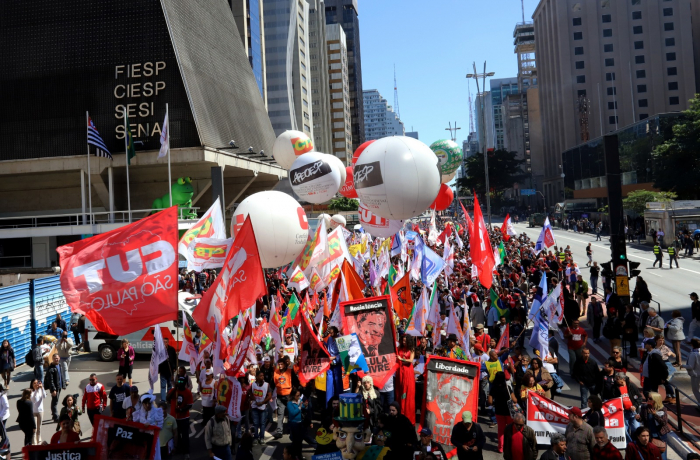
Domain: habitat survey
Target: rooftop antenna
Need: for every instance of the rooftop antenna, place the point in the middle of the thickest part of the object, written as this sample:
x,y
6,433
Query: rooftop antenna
x,y
396,96
522,4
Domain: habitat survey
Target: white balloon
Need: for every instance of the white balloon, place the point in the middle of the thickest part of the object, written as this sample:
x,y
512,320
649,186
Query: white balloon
x,y
378,226
326,218
280,226
449,177
289,145
397,177
314,178
341,167
337,219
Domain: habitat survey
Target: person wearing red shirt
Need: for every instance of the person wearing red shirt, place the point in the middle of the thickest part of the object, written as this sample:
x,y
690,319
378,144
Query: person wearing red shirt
x,y
180,399
519,442
576,339
66,435
481,337
95,397
604,449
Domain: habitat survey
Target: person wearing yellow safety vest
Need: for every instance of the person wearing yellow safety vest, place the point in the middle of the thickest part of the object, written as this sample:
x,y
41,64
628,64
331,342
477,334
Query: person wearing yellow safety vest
x,y
672,255
659,256
493,366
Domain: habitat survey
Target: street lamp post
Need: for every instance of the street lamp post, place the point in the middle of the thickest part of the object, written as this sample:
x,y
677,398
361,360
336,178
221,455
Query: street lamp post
x,y
544,201
482,117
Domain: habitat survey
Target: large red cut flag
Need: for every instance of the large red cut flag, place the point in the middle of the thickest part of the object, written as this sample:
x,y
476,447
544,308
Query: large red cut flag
x,y
240,283
126,279
480,248
401,297
470,224
504,228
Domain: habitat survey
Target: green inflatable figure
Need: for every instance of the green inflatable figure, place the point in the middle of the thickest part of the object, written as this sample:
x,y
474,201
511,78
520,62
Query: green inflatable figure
x,y
182,197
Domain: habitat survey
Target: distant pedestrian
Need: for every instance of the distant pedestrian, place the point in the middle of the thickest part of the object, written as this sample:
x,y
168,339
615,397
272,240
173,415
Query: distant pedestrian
x,y
595,273
63,349
54,383
38,396
7,362
469,438
520,442
557,451
25,416
126,356
37,356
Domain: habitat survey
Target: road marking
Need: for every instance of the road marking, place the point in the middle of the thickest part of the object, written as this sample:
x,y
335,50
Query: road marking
x,y
267,454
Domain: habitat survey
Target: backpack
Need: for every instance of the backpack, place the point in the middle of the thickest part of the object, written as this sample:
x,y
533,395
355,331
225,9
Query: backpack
x,y
29,359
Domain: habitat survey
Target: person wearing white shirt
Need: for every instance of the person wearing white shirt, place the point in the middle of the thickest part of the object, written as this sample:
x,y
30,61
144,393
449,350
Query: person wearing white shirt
x,y
132,402
37,398
4,415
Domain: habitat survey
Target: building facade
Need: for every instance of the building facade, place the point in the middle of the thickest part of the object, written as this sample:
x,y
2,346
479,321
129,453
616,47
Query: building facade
x,y
289,101
320,86
483,122
500,89
606,64
339,79
413,134
249,20
345,13
380,119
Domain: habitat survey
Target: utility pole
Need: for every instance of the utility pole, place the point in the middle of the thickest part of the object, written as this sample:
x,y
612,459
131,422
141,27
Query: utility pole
x,y
453,131
482,108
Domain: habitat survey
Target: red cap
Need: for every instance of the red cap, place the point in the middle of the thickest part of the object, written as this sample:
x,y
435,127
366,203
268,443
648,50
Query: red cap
x,y
576,411
478,347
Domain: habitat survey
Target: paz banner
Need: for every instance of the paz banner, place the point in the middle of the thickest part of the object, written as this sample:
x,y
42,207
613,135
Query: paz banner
x,y
125,279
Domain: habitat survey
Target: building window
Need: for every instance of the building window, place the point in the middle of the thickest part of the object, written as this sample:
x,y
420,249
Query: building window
x,y
670,56
580,79
639,45
674,100
612,105
608,48
607,18
612,119
578,50
607,33
577,21
672,71
637,30
668,11
639,59
580,65
643,116
610,76
636,2
643,103
668,26
641,88
612,91
670,41
609,62
673,86
578,35
636,15
641,74
582,92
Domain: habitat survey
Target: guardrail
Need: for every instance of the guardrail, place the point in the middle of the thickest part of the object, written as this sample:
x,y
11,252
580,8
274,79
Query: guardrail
x,y
679,414
79,218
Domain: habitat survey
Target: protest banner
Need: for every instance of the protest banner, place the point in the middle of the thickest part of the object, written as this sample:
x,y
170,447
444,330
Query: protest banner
x,y
79,451
451,387
314,358
370,319
547,417
122,439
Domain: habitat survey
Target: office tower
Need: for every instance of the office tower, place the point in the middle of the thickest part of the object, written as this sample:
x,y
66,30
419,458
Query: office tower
x,y
380,119
500,89
344,12
287,65
338,75
413,134
605,64
249,19
318,58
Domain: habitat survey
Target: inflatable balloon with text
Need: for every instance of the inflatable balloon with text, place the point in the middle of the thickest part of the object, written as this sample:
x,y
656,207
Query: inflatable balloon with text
x,y
289,145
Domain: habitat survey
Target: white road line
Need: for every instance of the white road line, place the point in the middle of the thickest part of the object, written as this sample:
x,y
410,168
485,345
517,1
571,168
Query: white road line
x,y
267,454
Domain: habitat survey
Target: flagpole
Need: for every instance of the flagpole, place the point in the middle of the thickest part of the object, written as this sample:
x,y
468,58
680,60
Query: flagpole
x,y
126,151
170,179
87,132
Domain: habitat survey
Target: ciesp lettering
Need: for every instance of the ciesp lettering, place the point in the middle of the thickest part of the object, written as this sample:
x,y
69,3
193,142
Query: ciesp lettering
x,y
133,293
367,306
64,456
308,172
362,174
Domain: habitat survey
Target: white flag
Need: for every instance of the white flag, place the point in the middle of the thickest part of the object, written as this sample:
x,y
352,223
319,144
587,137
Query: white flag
x,y
449,257
298,280
211,225
159,355
164,145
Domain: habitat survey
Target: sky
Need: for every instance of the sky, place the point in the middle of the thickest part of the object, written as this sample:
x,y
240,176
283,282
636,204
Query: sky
x,y
433,44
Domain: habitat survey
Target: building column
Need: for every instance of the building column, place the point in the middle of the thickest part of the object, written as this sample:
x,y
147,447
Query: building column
x,y
110,179
217,187
82,196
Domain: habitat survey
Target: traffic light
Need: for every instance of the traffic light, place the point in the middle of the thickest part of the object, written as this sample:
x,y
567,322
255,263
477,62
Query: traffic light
x,y
607,269
633,269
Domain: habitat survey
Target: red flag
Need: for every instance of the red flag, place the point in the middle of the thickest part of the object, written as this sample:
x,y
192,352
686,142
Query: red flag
x,y
480,248
125,279
326,309
314,358
445,233
470,224
241,348
240,283
401,297
503,341
349,285
504,228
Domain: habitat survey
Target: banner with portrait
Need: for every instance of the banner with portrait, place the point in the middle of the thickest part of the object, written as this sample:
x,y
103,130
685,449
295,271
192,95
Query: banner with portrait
x,y
122,439
314,358
79,451
451,387
371,320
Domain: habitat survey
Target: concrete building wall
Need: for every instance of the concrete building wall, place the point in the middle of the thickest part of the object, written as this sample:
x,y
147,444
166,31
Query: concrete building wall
x,y
339,79
380,119
321,103
632,59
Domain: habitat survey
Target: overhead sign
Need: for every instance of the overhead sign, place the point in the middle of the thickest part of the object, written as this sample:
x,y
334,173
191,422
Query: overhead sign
x,y
528,191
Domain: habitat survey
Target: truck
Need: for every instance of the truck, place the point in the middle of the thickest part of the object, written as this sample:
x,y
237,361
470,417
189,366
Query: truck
x,y
536,220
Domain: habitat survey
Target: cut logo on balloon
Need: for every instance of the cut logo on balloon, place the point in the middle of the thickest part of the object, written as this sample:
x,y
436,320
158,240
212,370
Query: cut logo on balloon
x,y
309,172
303,221
367,175
301,145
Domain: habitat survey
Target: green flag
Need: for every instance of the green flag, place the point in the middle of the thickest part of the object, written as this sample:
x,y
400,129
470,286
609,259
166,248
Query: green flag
x,y
391,279
502,252
494,303
292,310
130,151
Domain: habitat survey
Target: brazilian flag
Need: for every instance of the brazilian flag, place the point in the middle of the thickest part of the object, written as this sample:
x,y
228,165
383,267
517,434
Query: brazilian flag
x,y
130,151
392,275
496,302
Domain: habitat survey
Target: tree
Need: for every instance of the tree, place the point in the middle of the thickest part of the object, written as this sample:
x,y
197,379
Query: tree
x,y
677,160
636,201
344,204
504,170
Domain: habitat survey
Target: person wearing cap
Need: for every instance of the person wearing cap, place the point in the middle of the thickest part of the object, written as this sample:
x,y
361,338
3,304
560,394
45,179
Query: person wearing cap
x,y
654,369
481,337
180,399
132,403
557,451
579,436
168,431
217,435
207,392
428,445
148,414
469,438
520,442
452,350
